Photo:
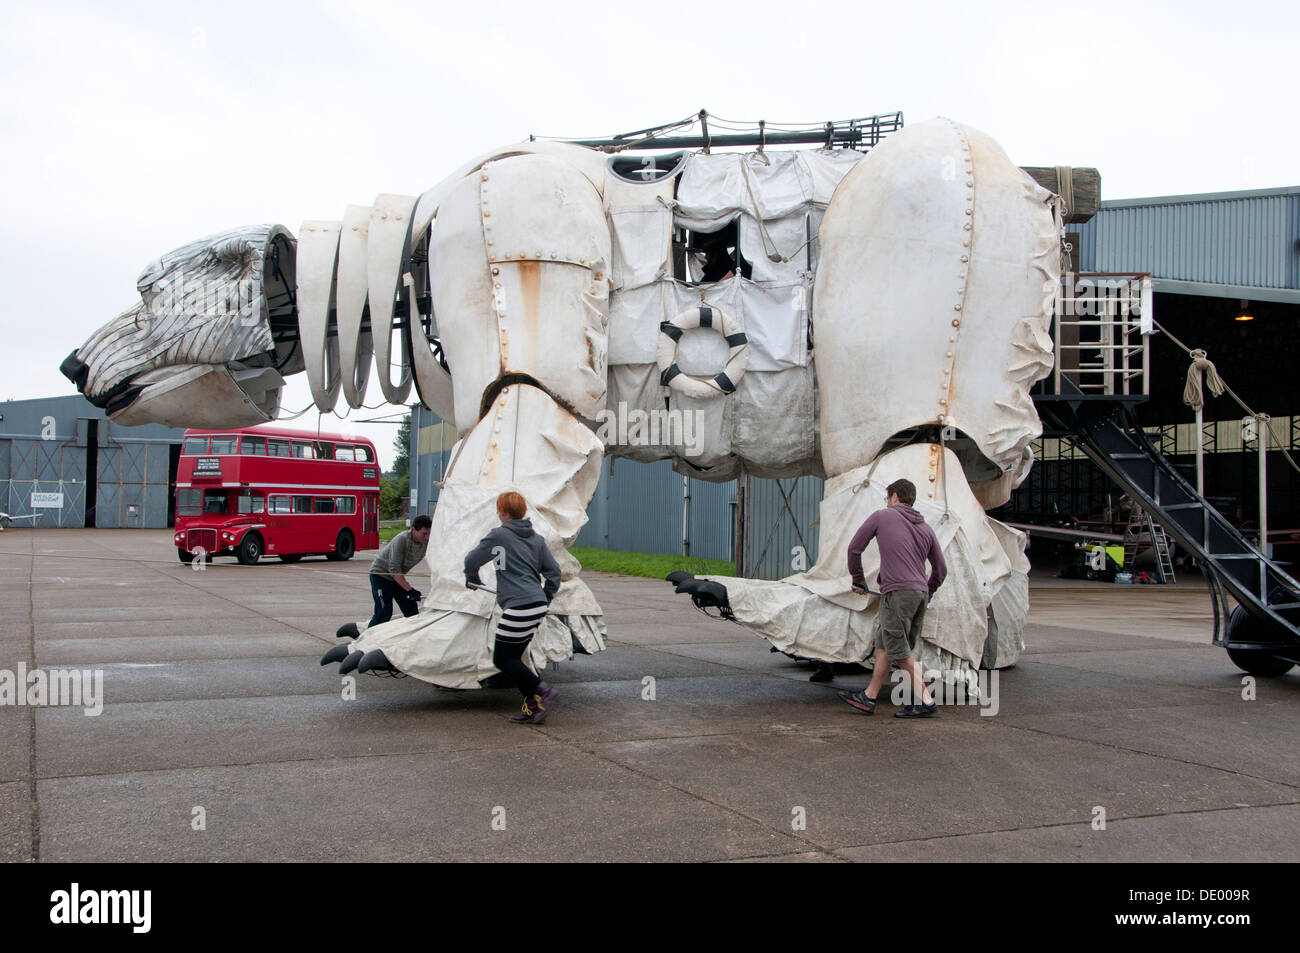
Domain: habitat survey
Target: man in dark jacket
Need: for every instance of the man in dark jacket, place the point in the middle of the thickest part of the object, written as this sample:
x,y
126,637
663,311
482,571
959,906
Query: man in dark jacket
x,y
906,542
388,584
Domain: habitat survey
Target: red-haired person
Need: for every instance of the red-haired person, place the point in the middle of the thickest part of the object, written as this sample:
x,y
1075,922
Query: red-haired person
x,y
522,562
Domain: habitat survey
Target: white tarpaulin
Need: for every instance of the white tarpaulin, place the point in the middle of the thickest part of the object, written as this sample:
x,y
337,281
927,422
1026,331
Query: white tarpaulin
x,y
554,461
775,319
817,615
642,244
792,237
952,277
769,185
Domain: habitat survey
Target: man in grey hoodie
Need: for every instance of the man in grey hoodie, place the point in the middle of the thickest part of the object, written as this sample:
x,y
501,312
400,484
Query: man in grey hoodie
x,y
906,542
521,559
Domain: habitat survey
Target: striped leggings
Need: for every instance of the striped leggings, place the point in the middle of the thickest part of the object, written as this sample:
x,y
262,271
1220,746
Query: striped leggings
x,y
515,630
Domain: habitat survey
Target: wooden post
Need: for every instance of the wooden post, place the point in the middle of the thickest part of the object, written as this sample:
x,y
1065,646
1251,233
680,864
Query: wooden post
x,y
1086,183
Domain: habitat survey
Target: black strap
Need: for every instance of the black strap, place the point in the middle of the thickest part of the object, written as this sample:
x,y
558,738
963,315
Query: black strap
x,y
723,381
669,374
673,332
737,339
706,316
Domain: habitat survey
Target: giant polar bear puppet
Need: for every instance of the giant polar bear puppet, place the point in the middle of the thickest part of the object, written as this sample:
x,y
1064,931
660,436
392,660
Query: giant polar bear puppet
x,y
542,307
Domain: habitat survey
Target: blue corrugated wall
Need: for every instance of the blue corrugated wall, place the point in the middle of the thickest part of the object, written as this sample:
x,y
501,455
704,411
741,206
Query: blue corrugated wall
x,y
1232,238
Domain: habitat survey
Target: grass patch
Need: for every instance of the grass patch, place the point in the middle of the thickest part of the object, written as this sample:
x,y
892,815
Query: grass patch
x,y
651,565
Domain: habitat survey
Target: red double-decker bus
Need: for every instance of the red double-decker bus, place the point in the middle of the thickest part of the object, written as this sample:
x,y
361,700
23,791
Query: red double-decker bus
x,y
274,492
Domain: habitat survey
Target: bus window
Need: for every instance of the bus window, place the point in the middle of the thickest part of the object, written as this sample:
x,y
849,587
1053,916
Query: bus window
x,y
363,455
250,502
193,446
345,504
324,504
302,450
279,448
223,444
345,453
252,446
324,451
189,502
280,504
214,501
302,504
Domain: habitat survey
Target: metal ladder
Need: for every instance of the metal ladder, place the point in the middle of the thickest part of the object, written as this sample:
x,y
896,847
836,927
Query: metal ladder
x,y
1139,522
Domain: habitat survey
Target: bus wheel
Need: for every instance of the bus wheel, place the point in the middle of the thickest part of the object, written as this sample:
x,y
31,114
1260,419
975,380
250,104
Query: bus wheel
x,y
290,557
185,555
250,549
344,546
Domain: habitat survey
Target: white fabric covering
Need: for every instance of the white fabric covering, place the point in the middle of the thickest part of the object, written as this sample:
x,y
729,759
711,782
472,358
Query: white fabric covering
x,y
787,237
824,170
817,615
961,263
714,188
774,422
554,461
634,318
642,242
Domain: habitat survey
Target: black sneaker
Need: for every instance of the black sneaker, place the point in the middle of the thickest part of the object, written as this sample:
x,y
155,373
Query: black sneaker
x,y
918,711
860,701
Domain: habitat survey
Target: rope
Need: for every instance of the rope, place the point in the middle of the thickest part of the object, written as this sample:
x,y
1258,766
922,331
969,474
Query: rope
x,y
1193,393
1212,377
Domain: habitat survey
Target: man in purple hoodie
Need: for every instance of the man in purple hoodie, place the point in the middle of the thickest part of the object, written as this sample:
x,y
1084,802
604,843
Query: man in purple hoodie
x,y
905,542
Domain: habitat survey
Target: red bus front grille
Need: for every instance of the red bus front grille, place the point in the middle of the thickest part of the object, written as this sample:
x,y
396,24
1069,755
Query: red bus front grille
x,y
201,538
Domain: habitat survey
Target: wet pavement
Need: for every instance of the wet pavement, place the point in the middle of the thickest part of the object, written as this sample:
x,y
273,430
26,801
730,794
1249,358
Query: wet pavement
x,y
221,738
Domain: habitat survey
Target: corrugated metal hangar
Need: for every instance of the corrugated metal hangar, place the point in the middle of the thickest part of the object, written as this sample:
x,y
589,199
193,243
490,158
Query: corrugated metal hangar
x,y
63,464
1225,271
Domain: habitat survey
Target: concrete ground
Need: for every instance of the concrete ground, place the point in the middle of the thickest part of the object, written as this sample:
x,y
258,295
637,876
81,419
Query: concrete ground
x,y
217,716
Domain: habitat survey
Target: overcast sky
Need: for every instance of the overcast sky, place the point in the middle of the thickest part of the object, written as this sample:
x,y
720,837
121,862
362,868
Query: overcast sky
x,y
130,128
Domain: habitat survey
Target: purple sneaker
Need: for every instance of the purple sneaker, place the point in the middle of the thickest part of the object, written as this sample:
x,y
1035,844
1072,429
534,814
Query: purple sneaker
x,y
529,712
543,701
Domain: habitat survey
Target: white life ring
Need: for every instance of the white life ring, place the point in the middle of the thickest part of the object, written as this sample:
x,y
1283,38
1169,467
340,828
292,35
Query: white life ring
x,y
670,332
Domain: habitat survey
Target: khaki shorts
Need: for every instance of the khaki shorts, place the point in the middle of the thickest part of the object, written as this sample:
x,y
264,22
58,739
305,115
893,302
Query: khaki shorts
x,y
898,622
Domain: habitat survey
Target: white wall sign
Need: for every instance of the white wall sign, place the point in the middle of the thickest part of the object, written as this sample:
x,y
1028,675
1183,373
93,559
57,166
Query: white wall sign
x,y
49,501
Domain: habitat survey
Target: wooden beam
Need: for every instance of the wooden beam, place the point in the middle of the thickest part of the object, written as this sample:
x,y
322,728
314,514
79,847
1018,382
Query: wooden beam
x,y
1087,189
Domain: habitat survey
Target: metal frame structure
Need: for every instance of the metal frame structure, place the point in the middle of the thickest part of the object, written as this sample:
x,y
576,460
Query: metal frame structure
x,y
860,134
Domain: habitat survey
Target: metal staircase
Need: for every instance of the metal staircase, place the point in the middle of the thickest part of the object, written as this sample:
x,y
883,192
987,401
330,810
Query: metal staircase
x,y
1262,635
1099,336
